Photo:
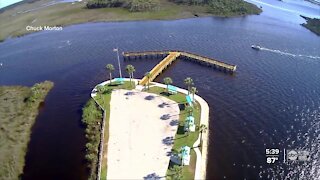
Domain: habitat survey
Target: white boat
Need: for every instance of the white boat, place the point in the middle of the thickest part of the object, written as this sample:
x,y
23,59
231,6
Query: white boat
x,y
256,47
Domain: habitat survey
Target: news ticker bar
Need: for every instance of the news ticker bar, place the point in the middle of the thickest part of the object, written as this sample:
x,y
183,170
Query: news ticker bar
x,y
289,155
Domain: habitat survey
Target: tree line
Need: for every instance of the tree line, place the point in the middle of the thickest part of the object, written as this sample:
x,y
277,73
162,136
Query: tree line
x,y
224,7
92,119
191,2
131,5
232,7
216,7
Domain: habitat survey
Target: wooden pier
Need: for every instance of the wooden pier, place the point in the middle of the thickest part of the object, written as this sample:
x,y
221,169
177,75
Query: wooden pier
x,y
170,56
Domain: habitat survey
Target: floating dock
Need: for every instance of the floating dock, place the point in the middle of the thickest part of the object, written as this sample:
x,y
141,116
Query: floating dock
x,y
170,56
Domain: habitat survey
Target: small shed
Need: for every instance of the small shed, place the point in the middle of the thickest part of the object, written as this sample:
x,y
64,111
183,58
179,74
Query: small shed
x,y
185,155
189,124
119,80
172,89
189,100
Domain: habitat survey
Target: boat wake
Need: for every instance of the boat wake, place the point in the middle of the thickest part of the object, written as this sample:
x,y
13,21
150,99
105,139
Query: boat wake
x,y
289,54
65,44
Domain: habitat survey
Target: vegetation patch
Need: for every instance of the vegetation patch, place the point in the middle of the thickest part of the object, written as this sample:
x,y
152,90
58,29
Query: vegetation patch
x,y
92,118
216,7
182,138
131,5
19,107
312,24
14,20
232,8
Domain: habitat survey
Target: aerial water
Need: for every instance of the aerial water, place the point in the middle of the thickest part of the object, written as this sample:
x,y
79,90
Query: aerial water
x,y
272,101
307,138
288,54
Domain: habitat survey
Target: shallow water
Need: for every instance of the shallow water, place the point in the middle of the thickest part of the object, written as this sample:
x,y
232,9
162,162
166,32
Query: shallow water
x,y
272,100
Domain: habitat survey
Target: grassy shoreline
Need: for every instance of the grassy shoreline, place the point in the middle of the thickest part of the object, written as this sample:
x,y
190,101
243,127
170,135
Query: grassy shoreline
x,y
181,138
312,24
19,107
92,118
13,22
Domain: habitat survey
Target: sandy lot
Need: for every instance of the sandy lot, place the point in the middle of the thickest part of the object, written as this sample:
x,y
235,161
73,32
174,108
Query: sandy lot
x,y
140,138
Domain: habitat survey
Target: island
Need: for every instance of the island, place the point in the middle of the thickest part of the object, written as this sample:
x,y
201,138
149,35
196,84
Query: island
x,y
312,24
15,20
149,131
19,107
145,128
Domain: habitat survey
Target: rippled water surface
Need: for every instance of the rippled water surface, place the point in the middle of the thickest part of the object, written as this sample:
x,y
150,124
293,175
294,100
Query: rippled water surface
x,y
272,101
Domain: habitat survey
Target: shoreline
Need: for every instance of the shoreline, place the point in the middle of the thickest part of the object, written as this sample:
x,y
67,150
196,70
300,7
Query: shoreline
x,y
201,159
21,103
66,14
312,24
2,40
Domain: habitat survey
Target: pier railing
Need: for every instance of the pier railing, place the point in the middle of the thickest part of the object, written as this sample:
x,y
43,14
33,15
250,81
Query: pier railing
x,y
209,60
160,67
144,53
171,55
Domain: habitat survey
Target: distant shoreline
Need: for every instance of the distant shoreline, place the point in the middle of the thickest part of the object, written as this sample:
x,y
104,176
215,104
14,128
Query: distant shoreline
x,y
313,24
314,2
64,14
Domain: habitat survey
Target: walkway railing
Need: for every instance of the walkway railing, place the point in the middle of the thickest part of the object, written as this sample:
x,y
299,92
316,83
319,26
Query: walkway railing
x,y
101,145
160,67
184,55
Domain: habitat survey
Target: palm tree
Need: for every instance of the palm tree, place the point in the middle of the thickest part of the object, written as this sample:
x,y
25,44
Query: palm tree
x,y
189,109
182,151
90,157
176,172
148,75
167,81
130,70
110,68
203,128
193,91
100,89
188,82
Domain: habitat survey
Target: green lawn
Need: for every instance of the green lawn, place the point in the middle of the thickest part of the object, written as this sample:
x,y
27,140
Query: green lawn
x,y
92,117
19,106
181,138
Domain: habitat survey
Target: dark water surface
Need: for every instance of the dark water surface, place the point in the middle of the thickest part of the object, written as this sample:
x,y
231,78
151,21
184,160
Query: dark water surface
x,y
273,100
